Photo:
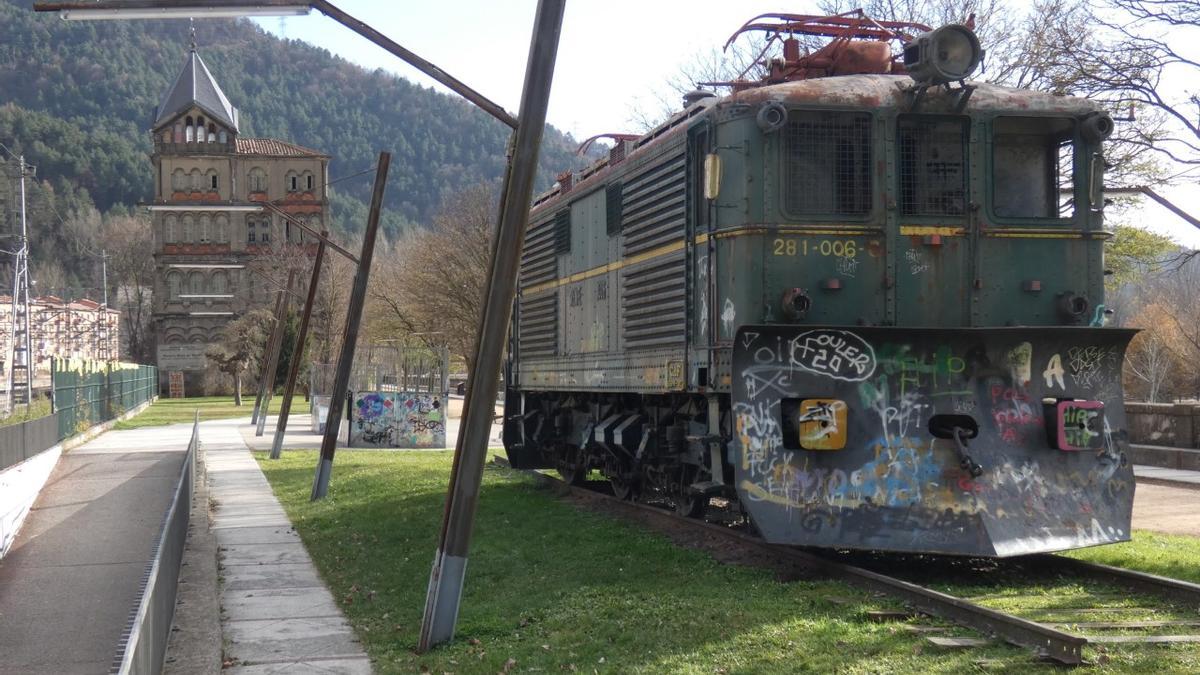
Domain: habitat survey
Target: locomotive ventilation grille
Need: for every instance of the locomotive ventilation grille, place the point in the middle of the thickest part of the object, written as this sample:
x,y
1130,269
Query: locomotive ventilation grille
x,y
653,304
539,314
829,164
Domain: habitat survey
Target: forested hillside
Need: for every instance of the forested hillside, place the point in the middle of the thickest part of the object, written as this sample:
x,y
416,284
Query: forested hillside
x,y
77,99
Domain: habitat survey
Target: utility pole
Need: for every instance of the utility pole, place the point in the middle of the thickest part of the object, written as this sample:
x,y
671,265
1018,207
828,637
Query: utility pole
x,y
341,378
258,394
272,356
102,334
450,561
289,390
20,365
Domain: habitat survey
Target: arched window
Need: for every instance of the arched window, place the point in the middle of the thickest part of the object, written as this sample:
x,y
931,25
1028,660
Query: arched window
x,y
258,180
197,181
199,129
222,138
212,133
211,180
171,230
196,283
173,284
308,181
178,132
191,130
293,181
188,230
220,284
264,230
205,229
251,231
222,233
179,181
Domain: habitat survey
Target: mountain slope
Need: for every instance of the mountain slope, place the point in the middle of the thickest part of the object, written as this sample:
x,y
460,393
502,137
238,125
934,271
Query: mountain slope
x,y
82,95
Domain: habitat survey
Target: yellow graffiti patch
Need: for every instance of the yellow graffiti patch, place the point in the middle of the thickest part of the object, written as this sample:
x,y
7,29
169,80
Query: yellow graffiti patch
x,y
823,424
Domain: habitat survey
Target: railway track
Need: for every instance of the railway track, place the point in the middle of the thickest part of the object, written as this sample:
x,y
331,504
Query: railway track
x,y
1045,638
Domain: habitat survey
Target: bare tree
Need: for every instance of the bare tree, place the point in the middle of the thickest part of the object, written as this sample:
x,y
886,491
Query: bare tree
x,y
131,280
329,308
431,284
240,345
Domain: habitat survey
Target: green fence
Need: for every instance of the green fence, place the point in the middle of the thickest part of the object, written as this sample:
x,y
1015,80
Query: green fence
x,y
87,392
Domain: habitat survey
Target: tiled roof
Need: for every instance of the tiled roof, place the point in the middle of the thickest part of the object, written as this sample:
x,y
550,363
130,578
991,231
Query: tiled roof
x,y
196,86
274,148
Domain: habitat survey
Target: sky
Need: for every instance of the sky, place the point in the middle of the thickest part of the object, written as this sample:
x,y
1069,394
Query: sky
x,y
614,58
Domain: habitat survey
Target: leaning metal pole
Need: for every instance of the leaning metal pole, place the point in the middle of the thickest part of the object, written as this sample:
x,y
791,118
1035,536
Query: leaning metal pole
x,y
268,383
341,378
450,561
285,406
262,375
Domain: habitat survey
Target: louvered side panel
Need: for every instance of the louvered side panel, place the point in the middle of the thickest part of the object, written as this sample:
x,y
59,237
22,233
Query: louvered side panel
x,y
539,325
539,263
653,303
652,206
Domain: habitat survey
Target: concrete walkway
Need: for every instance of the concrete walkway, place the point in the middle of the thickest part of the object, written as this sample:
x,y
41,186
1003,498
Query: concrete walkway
x,y
70,584
1163,475
278,617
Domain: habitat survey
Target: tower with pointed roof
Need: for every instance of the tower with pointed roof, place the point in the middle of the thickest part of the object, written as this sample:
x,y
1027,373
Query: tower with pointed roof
x,y
217,251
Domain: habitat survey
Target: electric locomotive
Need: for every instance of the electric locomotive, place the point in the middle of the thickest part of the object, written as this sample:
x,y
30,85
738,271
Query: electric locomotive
x,y
861,298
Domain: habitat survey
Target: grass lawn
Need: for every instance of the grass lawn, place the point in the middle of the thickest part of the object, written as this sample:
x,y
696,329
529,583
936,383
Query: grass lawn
x,y
551,588
174,410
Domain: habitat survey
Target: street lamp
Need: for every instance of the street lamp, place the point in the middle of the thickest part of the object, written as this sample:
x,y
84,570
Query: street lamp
x,y
157,9
176,13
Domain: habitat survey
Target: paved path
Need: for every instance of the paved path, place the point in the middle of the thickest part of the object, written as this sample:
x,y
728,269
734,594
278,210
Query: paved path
x,y
68,587
1170,504
1158,473
278,615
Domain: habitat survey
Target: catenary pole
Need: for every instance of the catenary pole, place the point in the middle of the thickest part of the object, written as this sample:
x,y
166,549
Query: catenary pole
x,y
285,406
267,377
450,560
341,378
276,349
262,375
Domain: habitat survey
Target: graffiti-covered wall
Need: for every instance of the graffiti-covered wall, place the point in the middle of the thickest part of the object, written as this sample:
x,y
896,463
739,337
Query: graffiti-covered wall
x,y
384,419
420,421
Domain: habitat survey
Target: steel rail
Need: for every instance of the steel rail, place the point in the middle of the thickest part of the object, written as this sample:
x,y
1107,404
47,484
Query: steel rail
x,y
1142,581
1053,644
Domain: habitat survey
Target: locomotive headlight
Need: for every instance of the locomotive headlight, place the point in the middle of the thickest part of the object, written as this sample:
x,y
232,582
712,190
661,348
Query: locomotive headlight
x,y
946,54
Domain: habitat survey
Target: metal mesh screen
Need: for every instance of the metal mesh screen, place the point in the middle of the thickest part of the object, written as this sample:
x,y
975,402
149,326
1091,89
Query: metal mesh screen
x,y
829,163
933,166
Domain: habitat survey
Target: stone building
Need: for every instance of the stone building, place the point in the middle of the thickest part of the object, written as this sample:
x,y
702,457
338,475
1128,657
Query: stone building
x,y
214,242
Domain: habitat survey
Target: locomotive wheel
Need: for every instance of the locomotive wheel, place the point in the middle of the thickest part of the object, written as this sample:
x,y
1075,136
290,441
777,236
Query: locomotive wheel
x,y
572,467
623,488
691,506
687,504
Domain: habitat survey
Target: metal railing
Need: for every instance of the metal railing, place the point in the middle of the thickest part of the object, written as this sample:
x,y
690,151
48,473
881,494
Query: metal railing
x,y
87,393
144,641
19,442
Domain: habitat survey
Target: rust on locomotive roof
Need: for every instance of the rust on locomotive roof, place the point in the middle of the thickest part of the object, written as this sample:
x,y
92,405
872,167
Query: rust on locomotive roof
x,y
894,91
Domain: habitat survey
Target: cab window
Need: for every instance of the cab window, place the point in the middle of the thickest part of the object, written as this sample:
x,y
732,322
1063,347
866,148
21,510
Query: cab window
x,y
932,153
1033,172
828,163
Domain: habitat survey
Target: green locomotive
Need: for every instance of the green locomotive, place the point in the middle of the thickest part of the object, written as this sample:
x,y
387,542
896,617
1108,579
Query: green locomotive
x,y
863,298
